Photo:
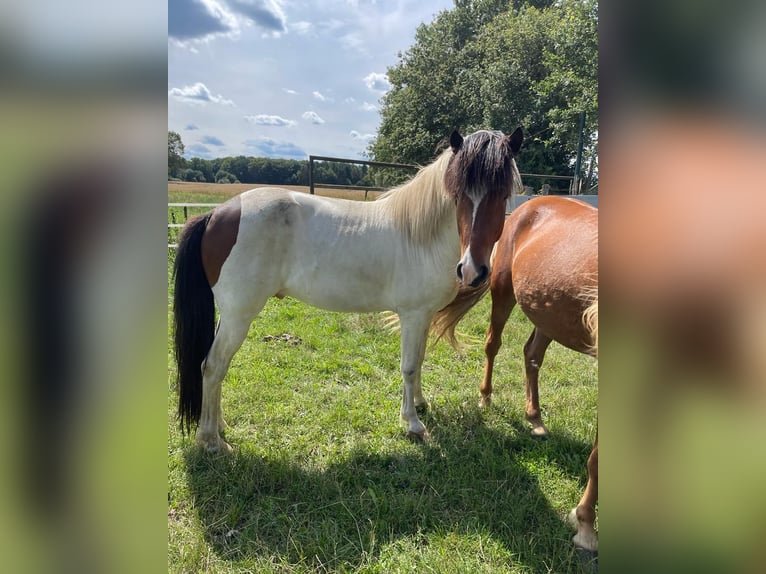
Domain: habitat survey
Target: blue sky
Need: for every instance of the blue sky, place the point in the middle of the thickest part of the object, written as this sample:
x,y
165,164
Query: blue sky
x,y
285,78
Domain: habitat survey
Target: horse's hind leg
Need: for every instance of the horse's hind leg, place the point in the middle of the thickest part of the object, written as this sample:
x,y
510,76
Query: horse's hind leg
x,y
502,305
228,339
584,516
534,353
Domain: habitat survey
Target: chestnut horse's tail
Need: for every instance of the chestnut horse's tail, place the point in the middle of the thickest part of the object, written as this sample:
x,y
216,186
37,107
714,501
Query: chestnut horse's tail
x,y
445,321
590,319
194,318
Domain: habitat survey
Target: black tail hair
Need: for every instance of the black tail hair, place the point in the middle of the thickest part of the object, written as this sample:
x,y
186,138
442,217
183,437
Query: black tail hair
x,y
194,320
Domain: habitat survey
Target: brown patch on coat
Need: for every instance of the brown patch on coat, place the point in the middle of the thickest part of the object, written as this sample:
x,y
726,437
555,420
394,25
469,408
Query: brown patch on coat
x,y
220,236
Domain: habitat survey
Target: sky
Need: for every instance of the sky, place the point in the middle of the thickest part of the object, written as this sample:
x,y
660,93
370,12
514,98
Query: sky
x,y
281,78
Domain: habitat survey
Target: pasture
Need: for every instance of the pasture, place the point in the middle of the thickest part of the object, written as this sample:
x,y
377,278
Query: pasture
x,y
322,478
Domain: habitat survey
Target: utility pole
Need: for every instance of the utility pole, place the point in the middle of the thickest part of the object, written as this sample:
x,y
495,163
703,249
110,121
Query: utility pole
x,y
578,161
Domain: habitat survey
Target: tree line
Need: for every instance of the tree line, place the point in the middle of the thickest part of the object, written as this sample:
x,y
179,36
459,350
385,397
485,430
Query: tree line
x,y
273,171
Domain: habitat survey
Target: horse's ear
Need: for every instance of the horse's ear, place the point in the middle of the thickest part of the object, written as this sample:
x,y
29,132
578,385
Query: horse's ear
x,y
515,140
456,141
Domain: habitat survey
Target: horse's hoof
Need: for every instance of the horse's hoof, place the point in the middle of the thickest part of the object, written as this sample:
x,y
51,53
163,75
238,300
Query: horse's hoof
x,y
219,447
539,431
485,401
419,437
586,539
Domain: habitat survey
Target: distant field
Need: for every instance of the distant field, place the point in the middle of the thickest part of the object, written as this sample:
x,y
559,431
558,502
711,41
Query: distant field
x,y
189,192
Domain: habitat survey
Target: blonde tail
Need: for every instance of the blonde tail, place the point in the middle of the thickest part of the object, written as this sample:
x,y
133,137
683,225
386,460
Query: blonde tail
x,y
590,319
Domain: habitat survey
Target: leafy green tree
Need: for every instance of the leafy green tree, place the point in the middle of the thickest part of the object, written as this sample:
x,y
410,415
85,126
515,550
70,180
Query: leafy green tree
x,y
175,153
224,176
497,65
203,166
189,174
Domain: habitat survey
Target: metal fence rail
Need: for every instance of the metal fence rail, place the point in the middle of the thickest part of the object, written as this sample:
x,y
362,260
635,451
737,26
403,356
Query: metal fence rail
x,y
365,188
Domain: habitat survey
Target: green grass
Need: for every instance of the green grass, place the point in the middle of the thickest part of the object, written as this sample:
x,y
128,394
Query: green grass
x,y
323,479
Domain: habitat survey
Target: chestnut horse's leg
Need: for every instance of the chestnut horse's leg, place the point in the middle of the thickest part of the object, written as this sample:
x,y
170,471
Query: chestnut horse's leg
x,y
503,302
534,353
584,516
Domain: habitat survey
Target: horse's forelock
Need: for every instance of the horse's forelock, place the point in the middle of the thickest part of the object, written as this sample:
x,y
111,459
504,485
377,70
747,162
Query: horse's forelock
x,y
485,162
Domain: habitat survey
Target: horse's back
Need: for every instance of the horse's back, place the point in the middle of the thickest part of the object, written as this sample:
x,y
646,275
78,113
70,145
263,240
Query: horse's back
x,y
550,245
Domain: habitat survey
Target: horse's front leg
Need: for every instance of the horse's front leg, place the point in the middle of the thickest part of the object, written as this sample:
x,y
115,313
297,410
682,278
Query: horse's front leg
x,y
413,348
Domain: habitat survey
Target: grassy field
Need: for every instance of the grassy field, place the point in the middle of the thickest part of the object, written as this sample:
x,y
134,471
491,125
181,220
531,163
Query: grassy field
x,y
323,479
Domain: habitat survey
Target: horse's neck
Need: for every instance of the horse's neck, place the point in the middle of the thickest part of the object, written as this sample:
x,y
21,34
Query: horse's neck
x,y
420,208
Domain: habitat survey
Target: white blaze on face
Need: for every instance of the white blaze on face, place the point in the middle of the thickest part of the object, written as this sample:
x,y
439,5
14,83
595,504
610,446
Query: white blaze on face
x,y
468,270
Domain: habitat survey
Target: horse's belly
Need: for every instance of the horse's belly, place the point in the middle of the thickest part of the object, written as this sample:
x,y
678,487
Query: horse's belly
x,y
558,316
336,293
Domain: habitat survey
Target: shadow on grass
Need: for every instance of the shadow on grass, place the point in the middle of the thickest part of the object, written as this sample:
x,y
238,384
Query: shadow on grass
x,y
468,479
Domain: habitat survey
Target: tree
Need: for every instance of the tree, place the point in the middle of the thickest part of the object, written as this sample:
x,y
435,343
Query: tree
x,y
224,176
496,65
175,153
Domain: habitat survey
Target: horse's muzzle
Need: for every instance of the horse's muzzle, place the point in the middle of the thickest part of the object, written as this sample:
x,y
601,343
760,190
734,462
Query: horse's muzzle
x,y
469,276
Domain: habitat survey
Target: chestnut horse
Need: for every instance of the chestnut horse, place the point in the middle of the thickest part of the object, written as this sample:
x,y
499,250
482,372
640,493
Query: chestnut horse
x,y
407,252
546,261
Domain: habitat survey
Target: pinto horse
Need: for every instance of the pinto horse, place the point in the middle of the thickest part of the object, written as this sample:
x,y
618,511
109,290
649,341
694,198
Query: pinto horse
x,y
407,252
546,261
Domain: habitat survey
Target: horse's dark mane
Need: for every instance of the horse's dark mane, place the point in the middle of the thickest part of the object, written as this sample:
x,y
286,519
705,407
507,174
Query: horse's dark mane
x,y
485,161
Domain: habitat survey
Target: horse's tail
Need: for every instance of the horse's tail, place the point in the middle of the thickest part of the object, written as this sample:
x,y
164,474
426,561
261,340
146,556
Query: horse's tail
x,y
194,319
446,319
590,319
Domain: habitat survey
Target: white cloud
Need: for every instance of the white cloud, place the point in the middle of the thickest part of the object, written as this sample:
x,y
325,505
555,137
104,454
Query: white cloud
x,y
321,97
313,118
364,137
198,94
203,20
368,107
199,20
303,28
350,100
353,41
266,14
267,147
212,140
198,150
377,82
269,120
289,91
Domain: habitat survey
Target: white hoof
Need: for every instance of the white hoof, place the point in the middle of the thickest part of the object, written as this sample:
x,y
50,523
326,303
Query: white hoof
x,y
586,536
